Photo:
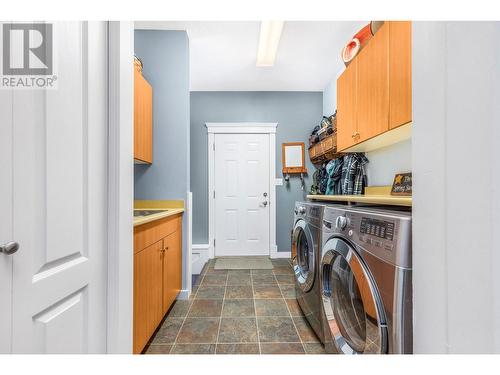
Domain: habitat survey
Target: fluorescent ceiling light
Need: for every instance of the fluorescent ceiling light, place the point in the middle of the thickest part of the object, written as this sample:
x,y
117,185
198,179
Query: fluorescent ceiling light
x,y
269,40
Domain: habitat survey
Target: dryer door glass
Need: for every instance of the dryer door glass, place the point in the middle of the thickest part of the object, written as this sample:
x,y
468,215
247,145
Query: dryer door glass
x,y
303,264
351,301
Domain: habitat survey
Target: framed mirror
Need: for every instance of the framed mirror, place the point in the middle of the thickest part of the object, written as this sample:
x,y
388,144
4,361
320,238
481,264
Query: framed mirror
x,y
293,157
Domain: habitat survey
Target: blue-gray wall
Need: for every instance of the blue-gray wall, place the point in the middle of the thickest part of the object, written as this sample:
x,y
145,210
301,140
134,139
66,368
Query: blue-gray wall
x,y
165,55
296,114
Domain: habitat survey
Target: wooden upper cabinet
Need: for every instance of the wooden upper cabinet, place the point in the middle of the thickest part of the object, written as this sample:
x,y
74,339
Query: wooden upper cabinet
x,y
148,310
400,109
373,86
346,107
143,118
172,267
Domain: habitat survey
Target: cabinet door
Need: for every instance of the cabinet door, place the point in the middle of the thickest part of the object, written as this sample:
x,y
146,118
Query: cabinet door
x,y
400,106
143,119
373,86
172,268
147,293
346,107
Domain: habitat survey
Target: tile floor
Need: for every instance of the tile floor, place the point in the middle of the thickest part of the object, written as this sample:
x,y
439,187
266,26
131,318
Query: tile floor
x,y
238,312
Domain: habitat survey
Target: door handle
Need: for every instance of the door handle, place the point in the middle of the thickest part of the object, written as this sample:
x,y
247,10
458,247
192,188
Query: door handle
x,y
264,203
9,248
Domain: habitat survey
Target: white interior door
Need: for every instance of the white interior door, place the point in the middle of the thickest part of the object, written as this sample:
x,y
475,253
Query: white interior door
x,y
241,174
53,200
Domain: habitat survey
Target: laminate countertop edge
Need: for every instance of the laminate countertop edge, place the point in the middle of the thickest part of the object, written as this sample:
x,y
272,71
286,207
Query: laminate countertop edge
x,y
372,199
162,215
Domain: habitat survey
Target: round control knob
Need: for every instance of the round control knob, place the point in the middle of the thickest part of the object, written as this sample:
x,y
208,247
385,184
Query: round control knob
x,y
302,210
341,222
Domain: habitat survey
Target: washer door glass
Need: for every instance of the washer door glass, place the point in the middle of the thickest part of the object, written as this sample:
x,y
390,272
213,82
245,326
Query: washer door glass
x,y
303,264
351,302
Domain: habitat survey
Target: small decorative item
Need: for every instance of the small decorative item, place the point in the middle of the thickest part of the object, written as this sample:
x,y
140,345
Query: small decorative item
x,y
293,158
357,42
402,184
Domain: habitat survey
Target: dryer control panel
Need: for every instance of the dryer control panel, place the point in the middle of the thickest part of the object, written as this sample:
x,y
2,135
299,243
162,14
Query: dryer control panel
x,y
378,228
382,233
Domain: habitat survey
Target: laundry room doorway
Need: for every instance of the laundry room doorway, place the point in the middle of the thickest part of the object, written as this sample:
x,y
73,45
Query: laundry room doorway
x,y
242,213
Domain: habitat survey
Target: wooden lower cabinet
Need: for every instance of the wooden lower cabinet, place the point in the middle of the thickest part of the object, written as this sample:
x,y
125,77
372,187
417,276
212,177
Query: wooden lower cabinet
x,y
157,275
172,260
148,309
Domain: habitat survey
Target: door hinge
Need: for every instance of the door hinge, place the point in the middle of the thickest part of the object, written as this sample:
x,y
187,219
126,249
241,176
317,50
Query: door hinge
x,y
214,194
214,242
213,146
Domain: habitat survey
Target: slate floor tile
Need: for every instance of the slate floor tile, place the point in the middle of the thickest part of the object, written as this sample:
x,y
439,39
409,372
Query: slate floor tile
x,y
282,348
288,291
214,279
266,291
238,308
205,308
263,279
271,307
180,308
314,348
237,349
233,292
294,307
237,330
283,270
277,329
239,279
305,331
262,272
198,330
285,279
168,331
159,349
193,349
210,292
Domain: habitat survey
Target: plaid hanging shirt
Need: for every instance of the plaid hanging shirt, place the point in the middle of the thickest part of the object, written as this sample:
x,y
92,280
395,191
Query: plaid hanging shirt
x,y
353,174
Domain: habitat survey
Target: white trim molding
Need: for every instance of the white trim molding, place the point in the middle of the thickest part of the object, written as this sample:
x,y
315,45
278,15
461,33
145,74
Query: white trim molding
x,y
199,256
120,187
242,128
281,254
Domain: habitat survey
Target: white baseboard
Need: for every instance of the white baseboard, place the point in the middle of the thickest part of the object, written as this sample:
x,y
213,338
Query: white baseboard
x,y
199,256
184,294
281,254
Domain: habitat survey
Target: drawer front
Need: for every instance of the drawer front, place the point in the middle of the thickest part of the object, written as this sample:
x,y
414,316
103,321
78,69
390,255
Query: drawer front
x,y
147,234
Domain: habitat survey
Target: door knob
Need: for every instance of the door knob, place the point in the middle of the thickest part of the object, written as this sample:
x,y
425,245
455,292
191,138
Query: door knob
x,y
264,203
9,248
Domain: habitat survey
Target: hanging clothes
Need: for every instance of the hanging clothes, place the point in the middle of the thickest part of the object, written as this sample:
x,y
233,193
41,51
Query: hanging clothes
x,y
334,171
354,177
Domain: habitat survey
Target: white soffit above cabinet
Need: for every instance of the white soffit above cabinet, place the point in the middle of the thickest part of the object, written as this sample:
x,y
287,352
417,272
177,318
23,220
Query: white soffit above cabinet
x,y
223,54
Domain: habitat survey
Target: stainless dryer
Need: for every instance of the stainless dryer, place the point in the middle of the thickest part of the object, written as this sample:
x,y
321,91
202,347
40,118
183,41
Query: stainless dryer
x,y
306,242
366,282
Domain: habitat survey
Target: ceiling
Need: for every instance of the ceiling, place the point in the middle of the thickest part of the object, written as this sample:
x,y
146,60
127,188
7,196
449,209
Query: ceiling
x,y
223,54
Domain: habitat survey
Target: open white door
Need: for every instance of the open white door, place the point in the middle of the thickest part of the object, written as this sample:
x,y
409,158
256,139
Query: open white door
x,y
53,146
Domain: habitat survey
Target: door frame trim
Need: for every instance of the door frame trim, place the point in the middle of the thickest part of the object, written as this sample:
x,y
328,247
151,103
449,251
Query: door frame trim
x,y
242,128
120,266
